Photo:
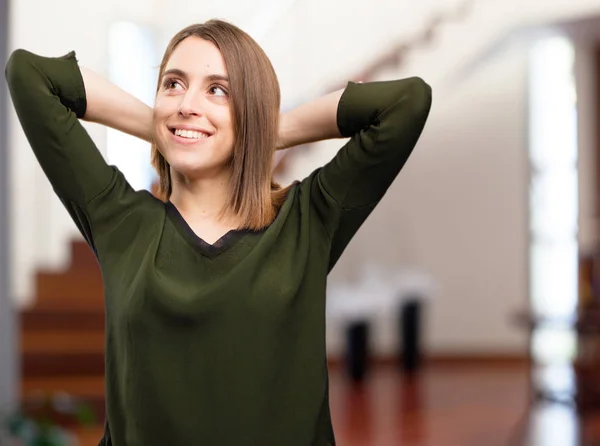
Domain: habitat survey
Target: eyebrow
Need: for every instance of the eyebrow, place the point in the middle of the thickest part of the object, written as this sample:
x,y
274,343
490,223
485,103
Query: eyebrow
x,y
183,74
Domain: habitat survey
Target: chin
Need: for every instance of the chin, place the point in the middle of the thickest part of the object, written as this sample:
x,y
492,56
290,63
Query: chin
x,y
193,161
187,168
194,168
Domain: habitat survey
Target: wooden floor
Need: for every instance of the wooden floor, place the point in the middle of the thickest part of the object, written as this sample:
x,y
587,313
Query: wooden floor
x,y
453,405
446,405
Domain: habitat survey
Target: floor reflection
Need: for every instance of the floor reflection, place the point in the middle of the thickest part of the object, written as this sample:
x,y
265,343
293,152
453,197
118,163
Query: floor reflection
x,y
459,405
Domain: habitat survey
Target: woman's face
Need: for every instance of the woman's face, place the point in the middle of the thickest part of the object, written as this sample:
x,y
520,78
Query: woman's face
x,y
193,128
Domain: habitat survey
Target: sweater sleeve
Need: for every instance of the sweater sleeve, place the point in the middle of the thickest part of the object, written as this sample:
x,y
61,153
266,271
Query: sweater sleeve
x,y
384,121
49,96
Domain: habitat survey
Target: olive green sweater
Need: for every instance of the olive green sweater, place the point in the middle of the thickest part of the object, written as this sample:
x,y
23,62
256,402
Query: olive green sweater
x,y
219,344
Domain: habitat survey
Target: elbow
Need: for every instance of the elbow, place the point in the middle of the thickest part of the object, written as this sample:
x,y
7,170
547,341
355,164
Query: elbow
x,y
16,67
420,98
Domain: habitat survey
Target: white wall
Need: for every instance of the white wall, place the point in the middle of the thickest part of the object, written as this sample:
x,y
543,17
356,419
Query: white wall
x,y
458,211
472,223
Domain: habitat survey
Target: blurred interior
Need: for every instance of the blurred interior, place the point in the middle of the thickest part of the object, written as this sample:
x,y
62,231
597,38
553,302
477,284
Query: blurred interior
x,y
466,311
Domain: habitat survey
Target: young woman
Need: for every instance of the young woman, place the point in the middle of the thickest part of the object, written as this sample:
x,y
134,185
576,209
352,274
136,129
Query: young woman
x,y
215,294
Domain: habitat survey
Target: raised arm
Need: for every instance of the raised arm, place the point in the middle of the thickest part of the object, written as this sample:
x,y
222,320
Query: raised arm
x,y
310,122
384,121
49,95
109,105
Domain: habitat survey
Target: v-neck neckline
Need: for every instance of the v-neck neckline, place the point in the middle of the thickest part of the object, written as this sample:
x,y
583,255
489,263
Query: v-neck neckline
x,y
227,241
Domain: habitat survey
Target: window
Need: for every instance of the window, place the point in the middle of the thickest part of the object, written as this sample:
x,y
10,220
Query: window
x,y
133,66
553,195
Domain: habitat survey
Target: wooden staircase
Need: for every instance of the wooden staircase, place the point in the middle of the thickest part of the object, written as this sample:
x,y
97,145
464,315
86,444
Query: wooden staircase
x,y
62,337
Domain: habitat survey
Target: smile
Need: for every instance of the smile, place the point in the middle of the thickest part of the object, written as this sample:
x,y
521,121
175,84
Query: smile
x,y
182,136
190,134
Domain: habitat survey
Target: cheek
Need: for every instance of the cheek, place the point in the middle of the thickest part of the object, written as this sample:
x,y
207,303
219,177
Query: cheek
x,y
226,123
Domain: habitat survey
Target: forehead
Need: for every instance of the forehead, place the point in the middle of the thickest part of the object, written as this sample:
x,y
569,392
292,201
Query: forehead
x,y
197,57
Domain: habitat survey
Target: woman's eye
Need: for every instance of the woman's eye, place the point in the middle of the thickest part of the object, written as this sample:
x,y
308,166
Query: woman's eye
x,y
171,84
217,90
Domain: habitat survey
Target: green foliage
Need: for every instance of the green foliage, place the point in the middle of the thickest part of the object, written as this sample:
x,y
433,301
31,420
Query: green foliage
x,y
45,421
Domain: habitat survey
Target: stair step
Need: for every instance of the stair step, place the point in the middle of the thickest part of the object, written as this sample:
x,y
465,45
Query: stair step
x,y
63,337
37,365
61,342
83,285
87,302
64,319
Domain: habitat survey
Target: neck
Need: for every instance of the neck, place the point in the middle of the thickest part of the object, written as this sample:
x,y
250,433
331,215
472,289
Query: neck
x,y
202,198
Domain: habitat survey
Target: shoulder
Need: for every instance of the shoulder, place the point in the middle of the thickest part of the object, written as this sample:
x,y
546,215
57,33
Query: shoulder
x,y
119,204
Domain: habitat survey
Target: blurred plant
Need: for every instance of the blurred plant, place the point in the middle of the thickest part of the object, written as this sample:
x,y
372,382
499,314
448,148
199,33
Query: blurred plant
x,y
44,420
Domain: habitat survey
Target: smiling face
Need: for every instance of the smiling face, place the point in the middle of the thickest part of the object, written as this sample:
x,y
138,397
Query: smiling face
x,y
193,126
238,120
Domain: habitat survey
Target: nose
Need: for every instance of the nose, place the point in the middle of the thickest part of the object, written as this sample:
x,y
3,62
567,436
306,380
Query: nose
x,y
191,104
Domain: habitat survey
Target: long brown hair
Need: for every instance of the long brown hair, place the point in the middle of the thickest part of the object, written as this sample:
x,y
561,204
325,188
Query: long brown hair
x,y
255,101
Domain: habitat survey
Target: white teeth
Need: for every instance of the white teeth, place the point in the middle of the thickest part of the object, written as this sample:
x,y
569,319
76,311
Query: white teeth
x,y
190,134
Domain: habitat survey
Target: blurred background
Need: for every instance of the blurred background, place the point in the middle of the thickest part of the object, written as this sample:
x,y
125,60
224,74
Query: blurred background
x,y
464,312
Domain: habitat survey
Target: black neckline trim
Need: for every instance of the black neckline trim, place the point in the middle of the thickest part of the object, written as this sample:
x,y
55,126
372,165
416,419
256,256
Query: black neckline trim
x,y
209,250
